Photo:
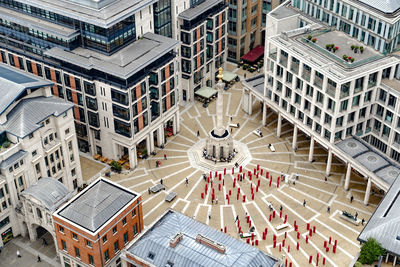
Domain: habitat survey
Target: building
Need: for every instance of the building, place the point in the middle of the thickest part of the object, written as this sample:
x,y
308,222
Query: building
x,y
340,91
203,49
384,224
177,240
110,59
37,140
94,226
246,26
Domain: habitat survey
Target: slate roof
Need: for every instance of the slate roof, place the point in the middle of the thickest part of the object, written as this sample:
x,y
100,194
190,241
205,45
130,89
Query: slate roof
x,y
50,192
123,63
94,206
14,83
13,159
257,82
27,115
384,224
385,6
371,159
188,252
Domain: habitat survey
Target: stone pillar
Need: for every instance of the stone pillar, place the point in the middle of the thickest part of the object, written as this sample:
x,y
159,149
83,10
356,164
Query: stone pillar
x,y
151,142
394,261
329,162
174,125
310,155
32,235
148,146
264,116
133,157
178,121
347,181
367,192
250,104
278,128
294,143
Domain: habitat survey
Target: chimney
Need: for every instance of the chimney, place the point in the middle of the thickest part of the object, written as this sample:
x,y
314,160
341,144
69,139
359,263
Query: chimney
x,y
210,243
175,240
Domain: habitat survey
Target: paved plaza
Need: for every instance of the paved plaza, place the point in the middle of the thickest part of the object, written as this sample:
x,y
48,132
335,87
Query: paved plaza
x,y
319,193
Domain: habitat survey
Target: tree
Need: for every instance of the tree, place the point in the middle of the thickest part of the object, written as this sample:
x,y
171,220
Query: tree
x,y
370,251
116,166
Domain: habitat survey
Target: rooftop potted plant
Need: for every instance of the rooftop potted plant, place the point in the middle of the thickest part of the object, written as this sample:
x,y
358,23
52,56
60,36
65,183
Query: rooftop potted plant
x,y
352,47
335,48
309,37
362,49
345,57
314,40
351,59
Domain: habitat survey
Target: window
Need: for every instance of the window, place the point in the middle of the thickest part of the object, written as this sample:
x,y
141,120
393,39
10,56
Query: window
x,y
88,243
77,253
124,221
135,229
116,246
75,236
91,261
73,172
114,230
34,153
104,239
133,213
126,238
151,256
64,245
106,256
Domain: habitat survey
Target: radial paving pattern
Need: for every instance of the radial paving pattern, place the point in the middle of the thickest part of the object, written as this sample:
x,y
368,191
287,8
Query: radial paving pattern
x,y
311,186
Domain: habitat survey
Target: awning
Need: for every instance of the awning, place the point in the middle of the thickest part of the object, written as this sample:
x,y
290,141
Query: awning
x,y
254,54
228,76
206,92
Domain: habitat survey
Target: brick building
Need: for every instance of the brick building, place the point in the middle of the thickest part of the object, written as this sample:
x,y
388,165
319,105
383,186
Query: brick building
x,y
94,226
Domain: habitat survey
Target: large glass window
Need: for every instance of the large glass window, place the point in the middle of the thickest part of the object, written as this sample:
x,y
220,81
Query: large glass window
x,y
122,128
120,112
119,97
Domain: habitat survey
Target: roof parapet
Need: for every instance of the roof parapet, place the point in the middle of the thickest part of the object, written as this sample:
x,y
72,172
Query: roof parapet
x,y
210,243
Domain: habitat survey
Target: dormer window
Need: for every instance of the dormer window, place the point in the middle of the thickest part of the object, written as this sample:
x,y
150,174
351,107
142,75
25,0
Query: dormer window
x,y
51,137
151,256
46,141
47,121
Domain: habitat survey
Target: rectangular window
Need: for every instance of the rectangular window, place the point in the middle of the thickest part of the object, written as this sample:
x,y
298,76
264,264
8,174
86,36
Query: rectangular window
x,y
88,243
64,245
116,246
106,256
104,239
91,260
126,238
135,229
77,253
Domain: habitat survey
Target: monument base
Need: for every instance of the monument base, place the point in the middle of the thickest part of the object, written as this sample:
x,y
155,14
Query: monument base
x,y
219,147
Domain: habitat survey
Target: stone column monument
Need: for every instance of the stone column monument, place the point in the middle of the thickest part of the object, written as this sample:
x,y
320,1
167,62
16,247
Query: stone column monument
x,y
219,144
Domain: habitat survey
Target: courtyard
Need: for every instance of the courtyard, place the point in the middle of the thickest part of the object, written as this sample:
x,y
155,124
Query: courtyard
x,y
319,192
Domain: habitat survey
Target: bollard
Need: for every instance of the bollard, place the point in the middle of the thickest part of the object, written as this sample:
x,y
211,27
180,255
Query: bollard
x,y
335,242
248,241
296,227
290,264
233,170
202,195
240,169
238,189
274,244
285,235
224,171
257,242
244,198
252,197
283,242
219,177
307,239
330,240
310,233
323,261
334,249
274,237
325,244
270,217
286,263
257,188
254,172
297,246
225,229
219,187
237,198
285,218
327,249
270,182
280,214
273,214
310,259
230,192
277,182
267,174
280,247
258,167
308,226
234,183
314,228
208,179
298,235
216,173
261,172
288,248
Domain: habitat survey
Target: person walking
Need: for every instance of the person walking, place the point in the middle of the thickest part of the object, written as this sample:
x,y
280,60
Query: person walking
x,y
216,201
328,209
18,254
38,258
186,181
149,191
297,176
209,215
362,221
237,218
161,181
165,156
304,203
351,199
280,208
356,215
198,133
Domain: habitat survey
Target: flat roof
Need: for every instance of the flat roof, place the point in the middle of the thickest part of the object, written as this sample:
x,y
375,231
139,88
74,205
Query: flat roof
x,y
385,6
189,252
384,223
282,12
14,82
197,10
257,82
37,23
371,159
98,203
102,13
123,63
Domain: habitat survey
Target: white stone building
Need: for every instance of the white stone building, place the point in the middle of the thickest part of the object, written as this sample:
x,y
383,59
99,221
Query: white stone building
x,y
37,137
334,93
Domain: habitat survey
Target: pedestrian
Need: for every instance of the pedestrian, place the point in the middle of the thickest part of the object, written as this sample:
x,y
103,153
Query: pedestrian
x,y
297,176
326,179
245,75
231,129
204,177
304,203
161,181
237,218
362,221
231,118
351,199
209,215
157,164
18,254
356,215
241,177
246,214
149,191
186,181
165,156
294,182
216,201
38,258
329,209
280,208
198,133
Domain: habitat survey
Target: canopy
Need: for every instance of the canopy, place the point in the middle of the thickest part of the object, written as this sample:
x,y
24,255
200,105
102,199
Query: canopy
x,y
254,54
228,76
206,92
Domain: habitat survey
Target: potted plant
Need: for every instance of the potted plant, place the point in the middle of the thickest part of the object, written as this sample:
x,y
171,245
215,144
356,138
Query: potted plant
x,y
328,47
116,166
335,49
355,49
351,59
361,49
314,40
6,144
345,57
309,37
352,47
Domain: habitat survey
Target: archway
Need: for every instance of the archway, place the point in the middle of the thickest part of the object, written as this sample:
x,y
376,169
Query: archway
x,y
44,241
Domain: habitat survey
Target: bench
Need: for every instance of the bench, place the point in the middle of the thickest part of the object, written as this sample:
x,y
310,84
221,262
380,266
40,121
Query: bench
x,y
157,188
281,226
234,125
271,147
356,223
170,196
258,132
245,235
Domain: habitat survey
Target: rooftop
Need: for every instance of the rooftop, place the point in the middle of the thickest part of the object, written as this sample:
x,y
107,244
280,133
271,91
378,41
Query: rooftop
x,y
50,192
97,204
384,224
27,115
394,83
257,82
227,251
385,6
102,13
282,12
197,10
123,63
373,161
14,83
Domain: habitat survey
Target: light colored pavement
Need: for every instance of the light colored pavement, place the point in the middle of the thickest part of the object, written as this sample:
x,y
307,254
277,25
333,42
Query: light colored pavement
x,y
311,186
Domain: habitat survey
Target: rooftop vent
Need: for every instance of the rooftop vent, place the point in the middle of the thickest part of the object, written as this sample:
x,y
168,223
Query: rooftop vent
x,y
398,237
210,243
175,240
